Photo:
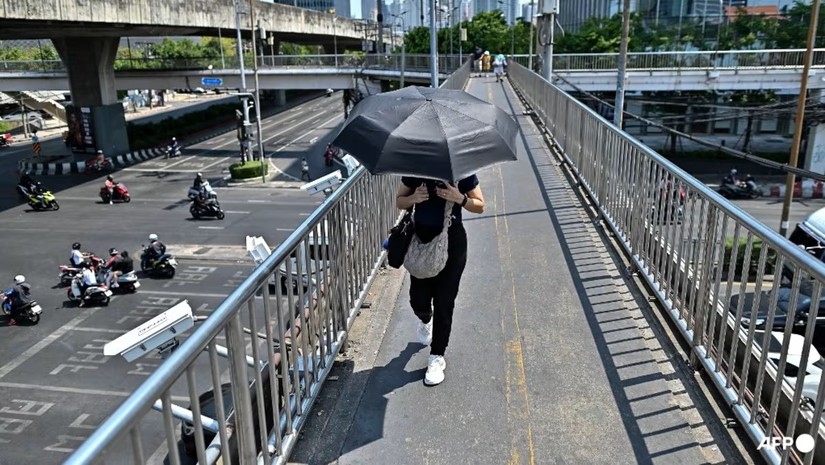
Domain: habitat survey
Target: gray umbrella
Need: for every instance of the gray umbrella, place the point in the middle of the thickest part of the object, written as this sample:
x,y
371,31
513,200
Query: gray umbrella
x,y
430,133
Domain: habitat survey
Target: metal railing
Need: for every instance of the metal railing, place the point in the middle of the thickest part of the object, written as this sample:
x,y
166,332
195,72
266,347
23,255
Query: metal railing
x,y
703,258
413,62
273,387
691,60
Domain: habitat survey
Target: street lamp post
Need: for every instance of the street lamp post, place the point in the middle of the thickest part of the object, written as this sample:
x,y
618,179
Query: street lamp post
x,y
403,45
433,47
257,95
220,43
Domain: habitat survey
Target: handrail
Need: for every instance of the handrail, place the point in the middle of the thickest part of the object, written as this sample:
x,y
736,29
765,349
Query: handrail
x,y
638,195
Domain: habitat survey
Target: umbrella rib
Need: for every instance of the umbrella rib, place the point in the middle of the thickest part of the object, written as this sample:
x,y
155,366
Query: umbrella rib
x,y
446,141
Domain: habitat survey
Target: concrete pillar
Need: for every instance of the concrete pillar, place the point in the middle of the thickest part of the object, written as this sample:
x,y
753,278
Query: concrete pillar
x,y
280,97
90,62
98,116
814,159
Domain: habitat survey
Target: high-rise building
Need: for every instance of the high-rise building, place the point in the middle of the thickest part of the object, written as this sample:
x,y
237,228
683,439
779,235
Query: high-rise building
x,y
510,8
528,11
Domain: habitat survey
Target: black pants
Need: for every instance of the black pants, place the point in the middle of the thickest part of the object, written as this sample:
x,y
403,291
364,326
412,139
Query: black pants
x,y
435,297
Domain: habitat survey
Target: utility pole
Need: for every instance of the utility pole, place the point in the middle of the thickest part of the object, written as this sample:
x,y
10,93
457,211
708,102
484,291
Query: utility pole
x,y
549,10
380,19
530,42
799,123
433,48
618,113
244,99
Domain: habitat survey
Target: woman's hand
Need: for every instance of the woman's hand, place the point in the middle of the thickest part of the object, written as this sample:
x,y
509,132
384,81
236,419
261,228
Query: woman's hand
x,y
420,195
450,192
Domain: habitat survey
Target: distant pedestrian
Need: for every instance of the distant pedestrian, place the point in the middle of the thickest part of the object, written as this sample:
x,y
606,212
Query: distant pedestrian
x,y
433,299
485,61
305,170
498,67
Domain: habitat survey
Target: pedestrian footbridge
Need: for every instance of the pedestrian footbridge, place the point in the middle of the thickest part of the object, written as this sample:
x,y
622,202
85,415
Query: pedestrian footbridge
x,y
577,271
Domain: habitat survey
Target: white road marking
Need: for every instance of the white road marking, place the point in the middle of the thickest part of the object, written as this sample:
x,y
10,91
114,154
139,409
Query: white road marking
x,y
70,390
313,140
257,201
307,133
204,168
178,162
210,227
285,229
237,212
43,343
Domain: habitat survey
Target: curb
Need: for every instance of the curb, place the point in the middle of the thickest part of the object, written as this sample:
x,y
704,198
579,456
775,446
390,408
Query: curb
x,y
76,167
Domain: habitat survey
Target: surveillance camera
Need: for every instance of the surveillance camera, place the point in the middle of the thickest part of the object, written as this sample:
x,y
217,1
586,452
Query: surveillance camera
x,y
320,184
157,333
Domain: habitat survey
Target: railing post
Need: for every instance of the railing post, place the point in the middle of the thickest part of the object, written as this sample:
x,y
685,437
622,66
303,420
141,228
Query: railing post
x,y
241,399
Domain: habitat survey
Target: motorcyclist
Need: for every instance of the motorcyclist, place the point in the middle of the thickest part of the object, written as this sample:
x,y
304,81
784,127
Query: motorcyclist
x,y
87,280
732,179
155,250
174,147
113,265
30,185
20,297
110,186
126,265
77,258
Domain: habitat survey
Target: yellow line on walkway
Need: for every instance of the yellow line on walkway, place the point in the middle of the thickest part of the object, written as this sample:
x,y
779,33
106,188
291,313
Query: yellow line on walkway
x,y
515,378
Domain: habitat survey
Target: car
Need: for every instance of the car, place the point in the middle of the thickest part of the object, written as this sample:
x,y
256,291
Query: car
x,y
18,116
793,361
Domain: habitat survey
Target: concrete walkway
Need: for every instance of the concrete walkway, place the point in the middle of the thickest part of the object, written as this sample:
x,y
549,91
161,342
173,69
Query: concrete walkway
x,y
551,358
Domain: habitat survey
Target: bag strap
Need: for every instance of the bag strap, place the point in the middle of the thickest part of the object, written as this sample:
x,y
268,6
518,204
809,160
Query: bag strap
x,y
448,214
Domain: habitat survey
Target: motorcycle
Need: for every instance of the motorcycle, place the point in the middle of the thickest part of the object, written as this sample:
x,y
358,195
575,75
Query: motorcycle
x,y
30,311
43,201
746,189
127,282
68,272
4,142
94,295
207,208
172,153
119,193
163,267
95,165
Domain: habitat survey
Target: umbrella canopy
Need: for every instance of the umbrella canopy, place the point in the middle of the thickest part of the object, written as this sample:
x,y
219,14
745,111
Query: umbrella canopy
x,y
431,133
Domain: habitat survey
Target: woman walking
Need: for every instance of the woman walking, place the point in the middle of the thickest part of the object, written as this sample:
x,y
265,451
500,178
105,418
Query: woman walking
x,y
433,299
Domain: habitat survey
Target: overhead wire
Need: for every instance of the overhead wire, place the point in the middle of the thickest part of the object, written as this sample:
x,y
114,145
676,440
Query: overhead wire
x,y
802,173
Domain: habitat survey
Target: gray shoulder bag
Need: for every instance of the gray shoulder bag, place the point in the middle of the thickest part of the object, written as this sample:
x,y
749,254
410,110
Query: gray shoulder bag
x,y
427,260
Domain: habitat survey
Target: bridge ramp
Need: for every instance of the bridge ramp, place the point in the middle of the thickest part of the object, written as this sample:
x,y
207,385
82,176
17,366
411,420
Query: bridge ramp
x,y
551,358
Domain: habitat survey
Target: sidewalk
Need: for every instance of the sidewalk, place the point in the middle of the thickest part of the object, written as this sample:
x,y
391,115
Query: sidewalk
x,y
551,358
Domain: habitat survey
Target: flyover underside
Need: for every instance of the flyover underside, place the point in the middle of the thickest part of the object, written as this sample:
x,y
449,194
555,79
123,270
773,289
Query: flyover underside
x,y
19,30
706,79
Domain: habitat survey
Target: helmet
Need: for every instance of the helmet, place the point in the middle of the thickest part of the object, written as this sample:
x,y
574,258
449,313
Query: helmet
x,y
153,237
76,246
113,251
199,176
174,138
19,279
110,178
733,171
100,151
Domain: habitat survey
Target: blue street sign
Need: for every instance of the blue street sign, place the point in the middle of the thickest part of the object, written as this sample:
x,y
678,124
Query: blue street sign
x,y
212,81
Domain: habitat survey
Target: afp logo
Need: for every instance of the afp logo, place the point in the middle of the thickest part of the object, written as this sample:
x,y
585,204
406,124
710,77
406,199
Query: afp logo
x,y
804,443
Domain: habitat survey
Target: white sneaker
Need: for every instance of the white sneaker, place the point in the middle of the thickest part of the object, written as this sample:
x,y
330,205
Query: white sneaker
x,y
425,332
435,370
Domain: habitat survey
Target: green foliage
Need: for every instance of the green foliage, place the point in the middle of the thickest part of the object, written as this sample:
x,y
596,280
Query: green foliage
x,y
753,264
149,135
45,52
5,126
250,169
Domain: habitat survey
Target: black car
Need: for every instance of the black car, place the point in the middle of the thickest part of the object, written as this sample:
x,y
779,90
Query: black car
x,y
803,304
